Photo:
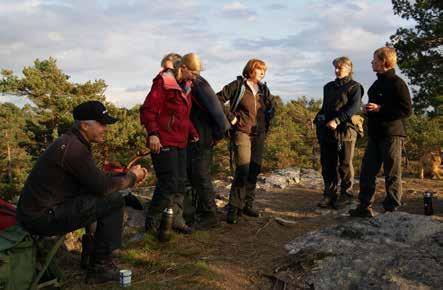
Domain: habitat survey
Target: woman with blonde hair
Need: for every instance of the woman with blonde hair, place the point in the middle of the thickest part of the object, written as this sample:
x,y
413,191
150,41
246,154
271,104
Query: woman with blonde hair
x,y
251,107
389,104
165,115
337,134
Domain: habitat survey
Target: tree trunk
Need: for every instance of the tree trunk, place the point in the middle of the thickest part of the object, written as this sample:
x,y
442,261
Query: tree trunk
x,y
9,165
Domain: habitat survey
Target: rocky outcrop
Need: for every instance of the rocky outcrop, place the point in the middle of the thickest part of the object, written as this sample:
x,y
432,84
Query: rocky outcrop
x,y
392,251
279,179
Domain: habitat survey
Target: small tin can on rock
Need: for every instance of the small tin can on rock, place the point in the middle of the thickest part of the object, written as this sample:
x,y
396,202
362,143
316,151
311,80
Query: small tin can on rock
x,y
125,278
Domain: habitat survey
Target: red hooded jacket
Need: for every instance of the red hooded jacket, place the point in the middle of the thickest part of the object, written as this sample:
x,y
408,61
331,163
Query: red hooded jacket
x,y
166,110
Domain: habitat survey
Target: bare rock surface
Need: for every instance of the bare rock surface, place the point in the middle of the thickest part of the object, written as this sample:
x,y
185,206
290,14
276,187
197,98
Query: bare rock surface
x,y
280,179
392,251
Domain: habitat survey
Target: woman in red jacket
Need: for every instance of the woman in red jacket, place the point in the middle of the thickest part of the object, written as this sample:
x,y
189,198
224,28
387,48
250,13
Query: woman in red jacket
x,y
165,115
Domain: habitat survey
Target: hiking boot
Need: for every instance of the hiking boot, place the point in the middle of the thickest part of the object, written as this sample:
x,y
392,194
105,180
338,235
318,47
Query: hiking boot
x,y
102,271
345,198
389,206
207,222
87,250
182,229
250,211
362,211
390,209
327,202
232,216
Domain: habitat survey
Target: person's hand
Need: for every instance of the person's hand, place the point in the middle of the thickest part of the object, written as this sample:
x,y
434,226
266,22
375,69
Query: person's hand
x,y
372,107
154,144
140,173
195,139
332,125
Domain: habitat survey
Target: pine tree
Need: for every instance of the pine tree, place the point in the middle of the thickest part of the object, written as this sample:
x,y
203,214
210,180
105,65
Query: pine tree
x,y
420,52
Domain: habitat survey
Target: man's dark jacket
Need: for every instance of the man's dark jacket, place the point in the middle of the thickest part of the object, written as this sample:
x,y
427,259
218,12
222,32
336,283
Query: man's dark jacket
x,y
207,114
66,170
391,93
341,100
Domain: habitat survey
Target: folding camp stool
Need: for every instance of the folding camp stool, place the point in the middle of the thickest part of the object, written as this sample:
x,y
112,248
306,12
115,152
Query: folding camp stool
x,y
47,264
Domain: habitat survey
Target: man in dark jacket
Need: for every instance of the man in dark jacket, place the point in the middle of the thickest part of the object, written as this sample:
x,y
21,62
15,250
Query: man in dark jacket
x,y
337,134
210,121
66,191
389,105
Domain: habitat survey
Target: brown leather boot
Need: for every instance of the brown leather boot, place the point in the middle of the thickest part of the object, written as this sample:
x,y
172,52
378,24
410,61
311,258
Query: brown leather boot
x,y
102,270
362,211
207,221
232,216
249,210
327,202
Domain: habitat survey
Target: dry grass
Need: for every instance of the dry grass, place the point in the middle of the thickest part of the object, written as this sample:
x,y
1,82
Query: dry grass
x,y
233,256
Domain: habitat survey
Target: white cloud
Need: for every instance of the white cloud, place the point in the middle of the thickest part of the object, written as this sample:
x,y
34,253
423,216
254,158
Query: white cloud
x,y
234,6
123,43
55,36
122,98
9,6
238,10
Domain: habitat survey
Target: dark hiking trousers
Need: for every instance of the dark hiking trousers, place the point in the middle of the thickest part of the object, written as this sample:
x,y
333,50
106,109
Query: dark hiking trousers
x,y
170,170
336,161
248,154
200,159
81,211
386,151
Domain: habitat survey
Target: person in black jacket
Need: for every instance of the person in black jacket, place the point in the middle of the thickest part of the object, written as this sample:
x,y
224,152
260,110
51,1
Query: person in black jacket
x,y
337,134
66,191
251,107
210,121
388,106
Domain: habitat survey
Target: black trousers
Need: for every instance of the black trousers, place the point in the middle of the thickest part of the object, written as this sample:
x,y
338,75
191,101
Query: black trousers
x,y
386,151
200,158
170,170
81,211
336,161
248,153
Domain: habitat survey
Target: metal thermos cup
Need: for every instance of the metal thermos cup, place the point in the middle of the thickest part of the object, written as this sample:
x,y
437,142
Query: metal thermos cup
x,y
165,229
427,200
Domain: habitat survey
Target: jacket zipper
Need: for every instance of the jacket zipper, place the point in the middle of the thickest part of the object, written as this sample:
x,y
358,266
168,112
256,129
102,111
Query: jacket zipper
x,y
170,123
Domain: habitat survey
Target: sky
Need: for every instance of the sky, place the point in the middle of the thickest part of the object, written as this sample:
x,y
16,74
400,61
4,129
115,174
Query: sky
x,y
122,42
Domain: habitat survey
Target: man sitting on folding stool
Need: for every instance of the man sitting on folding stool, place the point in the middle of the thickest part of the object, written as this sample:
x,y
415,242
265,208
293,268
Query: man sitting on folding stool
x,y
66,191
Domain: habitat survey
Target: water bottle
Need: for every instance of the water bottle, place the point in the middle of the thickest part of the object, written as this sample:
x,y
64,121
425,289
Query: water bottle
x,y
427,199
165,229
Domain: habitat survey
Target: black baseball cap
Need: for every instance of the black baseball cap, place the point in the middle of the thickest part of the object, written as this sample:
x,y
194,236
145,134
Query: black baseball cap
x,y
93,110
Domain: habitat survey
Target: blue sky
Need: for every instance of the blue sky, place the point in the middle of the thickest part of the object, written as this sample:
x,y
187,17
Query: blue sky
x,y
122,42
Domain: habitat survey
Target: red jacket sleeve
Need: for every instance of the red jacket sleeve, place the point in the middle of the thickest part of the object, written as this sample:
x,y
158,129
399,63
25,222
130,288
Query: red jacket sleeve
x,y
152,106
193,131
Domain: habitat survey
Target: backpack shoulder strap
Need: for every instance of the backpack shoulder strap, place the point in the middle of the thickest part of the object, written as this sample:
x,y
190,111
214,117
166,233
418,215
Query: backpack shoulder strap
x,y
239,93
